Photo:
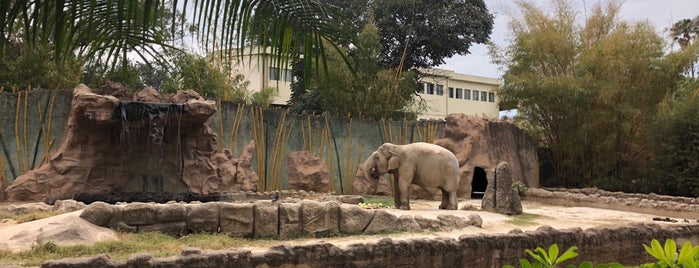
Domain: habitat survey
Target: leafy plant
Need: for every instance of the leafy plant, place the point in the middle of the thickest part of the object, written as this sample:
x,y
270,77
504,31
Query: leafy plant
x,y
520,187
687,257
550,259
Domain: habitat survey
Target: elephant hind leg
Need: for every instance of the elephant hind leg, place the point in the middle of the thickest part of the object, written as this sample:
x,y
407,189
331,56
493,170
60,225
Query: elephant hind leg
x,y
448,200
445,199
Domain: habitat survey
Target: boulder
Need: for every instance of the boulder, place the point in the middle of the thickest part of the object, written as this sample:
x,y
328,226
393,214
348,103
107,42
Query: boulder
x,y
98,213
203,217
382,222
426,223
170,213
237,219
320,217
290,220
266,215
354,219
307,172
176,229
451,222
500,196
68,205
407,222
475,220
137,214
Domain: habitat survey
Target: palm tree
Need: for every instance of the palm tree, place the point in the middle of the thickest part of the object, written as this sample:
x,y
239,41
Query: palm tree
x,y
110,29
685,32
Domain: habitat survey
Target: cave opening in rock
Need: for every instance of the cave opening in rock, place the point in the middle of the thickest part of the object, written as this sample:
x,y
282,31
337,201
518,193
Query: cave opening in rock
x,y
479,183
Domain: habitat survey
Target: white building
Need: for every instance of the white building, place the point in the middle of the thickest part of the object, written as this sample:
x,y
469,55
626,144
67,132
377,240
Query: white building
x,y
444,91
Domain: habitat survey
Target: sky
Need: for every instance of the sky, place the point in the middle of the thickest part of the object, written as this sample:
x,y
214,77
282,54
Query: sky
x,y
661,13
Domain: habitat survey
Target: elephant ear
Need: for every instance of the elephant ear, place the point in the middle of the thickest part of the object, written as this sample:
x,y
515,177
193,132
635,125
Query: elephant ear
x,y
393,162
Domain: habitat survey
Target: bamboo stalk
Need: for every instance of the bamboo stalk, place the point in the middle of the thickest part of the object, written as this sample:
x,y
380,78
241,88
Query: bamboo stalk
x,y
235,128
27,165
45,157
3,177
17,140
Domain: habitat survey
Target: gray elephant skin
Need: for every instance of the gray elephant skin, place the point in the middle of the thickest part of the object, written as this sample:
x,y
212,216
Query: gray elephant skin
x,y
419,163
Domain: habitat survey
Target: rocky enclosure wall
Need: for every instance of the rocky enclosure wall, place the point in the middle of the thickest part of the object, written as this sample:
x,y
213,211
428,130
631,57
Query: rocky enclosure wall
x,y
599,245
262,218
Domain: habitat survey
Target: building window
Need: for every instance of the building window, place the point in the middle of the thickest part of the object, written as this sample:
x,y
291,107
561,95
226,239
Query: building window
x,y
440,90
430,88
484,96
451,92
287,75
422,88
475,95
491,97
273,73
467,94
459,92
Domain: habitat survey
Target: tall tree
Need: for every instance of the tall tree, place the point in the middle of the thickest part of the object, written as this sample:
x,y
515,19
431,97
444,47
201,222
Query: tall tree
x,y
422,33
370,91
589,92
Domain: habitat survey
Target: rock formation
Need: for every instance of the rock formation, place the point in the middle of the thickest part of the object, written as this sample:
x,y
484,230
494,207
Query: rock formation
x,y
482,143
150,143
478,143
500,196
307,172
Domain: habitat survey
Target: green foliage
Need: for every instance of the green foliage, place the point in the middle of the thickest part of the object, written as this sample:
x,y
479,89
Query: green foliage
x,y
191,71
677,150
544,259
265,97
520,187
95,74
669,257
368,92
588,92
422,33
108,30
22,67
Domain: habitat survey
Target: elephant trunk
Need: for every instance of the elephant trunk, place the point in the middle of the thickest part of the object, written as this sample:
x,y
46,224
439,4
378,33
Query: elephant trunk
x,y
369,168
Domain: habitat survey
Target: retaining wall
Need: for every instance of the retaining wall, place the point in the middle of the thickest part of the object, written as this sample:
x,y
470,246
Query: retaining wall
x,y
599,245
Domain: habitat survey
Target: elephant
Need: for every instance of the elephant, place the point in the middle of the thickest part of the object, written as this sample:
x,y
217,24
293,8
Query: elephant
x,y
419,163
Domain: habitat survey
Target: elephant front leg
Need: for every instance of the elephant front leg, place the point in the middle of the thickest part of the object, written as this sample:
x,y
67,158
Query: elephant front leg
x,y
396,194
404,188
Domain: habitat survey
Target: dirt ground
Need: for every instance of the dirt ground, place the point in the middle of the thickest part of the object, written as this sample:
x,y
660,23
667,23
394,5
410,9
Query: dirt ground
x,y
538,214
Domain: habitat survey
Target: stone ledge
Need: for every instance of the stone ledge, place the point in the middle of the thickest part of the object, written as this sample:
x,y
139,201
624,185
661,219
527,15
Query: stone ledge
x,y
262,218
669,206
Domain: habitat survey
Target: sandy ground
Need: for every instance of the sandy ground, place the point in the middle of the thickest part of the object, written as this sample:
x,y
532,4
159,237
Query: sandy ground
x,y
555,216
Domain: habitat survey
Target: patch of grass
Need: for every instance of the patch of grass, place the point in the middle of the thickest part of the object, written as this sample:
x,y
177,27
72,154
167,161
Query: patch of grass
x,y
22,218
155,244
524,219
